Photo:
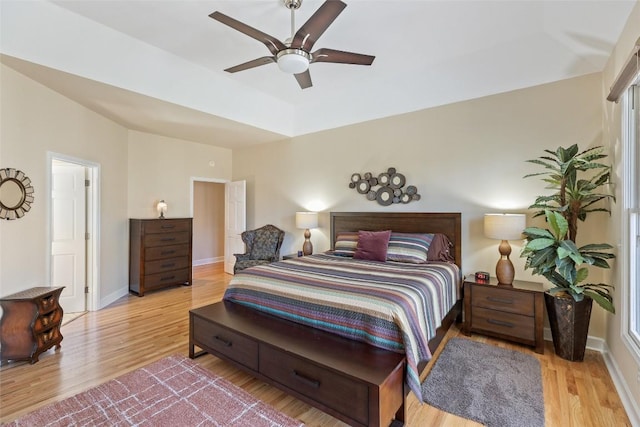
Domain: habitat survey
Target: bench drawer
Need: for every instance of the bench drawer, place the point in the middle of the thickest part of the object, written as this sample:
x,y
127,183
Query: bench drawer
x,y
235,346
332,389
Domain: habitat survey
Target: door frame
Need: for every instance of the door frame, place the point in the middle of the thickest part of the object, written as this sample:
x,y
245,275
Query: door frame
x,y
93,221
195,179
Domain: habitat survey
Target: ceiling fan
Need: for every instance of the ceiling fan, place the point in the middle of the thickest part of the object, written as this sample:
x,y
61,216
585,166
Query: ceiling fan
x,y
294,55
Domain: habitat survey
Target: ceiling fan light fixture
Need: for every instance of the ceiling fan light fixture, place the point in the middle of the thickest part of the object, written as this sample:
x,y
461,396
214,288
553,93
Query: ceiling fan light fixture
x,y
293,61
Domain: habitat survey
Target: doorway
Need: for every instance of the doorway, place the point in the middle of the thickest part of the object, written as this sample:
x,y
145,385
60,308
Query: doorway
x,y
231,204
208,222
73,242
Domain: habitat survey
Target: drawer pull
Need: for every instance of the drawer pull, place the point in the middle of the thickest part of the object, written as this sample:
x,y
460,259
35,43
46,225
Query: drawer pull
x,y
169,264
227,343
168,226
500,300
501,323
310,381
168,278
167,239
167,252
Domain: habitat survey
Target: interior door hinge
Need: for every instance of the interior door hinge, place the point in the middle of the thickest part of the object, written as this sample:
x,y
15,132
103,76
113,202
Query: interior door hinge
x,y
87,236
87,183
86,289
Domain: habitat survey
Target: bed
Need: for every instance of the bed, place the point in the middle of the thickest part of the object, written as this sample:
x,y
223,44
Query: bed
x,y
402,335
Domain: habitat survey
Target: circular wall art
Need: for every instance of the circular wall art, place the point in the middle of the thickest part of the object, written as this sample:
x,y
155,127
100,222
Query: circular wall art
x,y
387,188
16,193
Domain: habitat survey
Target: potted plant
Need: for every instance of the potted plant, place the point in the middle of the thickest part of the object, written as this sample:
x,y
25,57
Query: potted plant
x,y
577,179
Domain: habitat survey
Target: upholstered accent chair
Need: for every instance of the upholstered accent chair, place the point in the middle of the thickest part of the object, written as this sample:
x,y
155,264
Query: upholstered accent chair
x,y
262,246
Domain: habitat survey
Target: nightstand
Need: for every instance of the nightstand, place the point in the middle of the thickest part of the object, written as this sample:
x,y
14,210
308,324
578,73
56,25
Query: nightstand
x,y
514,313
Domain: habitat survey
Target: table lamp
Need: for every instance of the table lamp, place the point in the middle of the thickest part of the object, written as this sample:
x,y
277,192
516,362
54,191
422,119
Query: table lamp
x,y
504,227
307,220
162,208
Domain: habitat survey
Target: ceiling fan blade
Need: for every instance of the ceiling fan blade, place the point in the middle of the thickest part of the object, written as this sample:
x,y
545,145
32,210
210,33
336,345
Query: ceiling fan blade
x,y
252,64
311,31
341,57
304,79
273,44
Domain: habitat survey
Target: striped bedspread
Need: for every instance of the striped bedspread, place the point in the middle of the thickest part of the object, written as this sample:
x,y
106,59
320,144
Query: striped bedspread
x,y
392,305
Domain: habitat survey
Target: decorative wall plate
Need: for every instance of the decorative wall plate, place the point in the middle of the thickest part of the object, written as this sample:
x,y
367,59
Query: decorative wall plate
x,y
16,193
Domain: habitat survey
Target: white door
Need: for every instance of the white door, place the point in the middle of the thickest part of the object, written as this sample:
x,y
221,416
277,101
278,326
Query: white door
x,y
235,220
68,234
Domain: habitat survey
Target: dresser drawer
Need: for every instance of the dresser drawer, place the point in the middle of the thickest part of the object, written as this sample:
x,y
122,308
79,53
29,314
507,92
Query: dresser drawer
x,y
167,226
235,346
163,252
48,338
47,304
47,321
328,388
503,299
167,278
166,239
500,322
165,265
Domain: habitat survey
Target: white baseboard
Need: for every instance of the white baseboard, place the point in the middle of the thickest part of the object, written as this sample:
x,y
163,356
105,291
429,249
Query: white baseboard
x,y
629,403
206,261
113,297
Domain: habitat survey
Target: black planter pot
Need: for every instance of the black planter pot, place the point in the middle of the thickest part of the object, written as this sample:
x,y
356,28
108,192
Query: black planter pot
x,y
569,322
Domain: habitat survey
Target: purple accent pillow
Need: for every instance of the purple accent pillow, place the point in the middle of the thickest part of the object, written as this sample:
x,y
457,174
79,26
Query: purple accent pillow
x,y
440,249
372,245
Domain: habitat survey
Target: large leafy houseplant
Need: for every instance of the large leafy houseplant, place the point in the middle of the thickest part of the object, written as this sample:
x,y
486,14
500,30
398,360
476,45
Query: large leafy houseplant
x,y
578,179
550,254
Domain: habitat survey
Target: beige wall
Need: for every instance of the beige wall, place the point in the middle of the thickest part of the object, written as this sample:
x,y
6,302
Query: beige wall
x,y
163,168
467,157
33,121
208,222
136,170
622,363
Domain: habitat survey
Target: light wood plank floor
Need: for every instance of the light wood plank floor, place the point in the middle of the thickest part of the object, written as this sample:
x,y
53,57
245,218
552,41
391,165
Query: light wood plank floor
x,y
136,331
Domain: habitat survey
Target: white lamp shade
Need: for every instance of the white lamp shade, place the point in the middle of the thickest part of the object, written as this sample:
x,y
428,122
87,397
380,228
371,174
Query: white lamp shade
x,y
504,226
306,220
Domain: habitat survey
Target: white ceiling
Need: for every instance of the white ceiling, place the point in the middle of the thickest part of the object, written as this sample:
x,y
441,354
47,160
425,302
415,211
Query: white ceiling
x,y
428,53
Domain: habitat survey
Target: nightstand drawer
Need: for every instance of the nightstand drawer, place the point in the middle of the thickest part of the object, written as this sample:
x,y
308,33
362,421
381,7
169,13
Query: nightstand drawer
x,y
499,322
508,300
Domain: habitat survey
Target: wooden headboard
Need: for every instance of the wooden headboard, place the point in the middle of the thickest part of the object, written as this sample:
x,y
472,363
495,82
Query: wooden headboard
x,y
402,222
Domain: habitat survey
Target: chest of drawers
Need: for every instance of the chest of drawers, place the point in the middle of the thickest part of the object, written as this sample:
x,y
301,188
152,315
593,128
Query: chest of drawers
x,y
159,253
513,313
30,323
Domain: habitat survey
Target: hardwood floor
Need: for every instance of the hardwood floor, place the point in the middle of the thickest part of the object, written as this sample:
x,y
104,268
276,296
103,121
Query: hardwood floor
x,y
135,331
